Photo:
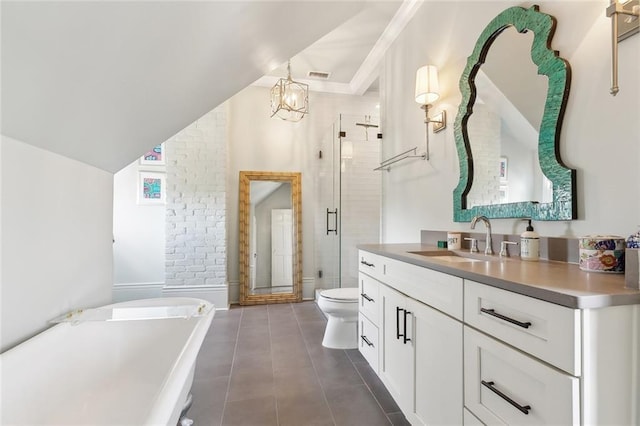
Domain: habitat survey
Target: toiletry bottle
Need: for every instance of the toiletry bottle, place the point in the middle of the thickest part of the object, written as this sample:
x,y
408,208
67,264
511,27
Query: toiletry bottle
x,y
529,244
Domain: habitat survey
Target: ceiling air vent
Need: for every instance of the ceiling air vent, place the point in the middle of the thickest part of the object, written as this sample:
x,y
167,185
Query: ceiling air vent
x,y
319,74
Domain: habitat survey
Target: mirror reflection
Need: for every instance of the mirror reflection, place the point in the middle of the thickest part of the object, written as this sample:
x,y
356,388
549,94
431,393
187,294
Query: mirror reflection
x,y
499,189
270,237
504,126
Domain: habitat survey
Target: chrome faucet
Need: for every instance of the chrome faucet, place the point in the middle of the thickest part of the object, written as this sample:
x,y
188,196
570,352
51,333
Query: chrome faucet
x,y
488,248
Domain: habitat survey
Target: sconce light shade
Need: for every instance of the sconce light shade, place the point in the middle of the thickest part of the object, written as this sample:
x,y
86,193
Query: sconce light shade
x,y
427,88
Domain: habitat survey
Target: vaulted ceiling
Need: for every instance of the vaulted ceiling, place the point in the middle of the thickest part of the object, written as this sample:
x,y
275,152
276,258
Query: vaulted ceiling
x,y
102,82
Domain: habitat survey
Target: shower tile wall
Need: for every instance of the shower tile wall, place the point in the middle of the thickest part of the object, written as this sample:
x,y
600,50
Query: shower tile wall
x,y
361,193
327,253
351,185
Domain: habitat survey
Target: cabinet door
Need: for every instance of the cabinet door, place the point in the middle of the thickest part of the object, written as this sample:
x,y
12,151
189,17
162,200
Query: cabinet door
x,y
396,370
438,367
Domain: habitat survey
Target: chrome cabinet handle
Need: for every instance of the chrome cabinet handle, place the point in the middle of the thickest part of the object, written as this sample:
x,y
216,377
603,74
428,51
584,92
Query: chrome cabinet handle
x,y
493,313
366,340
491,386
366,297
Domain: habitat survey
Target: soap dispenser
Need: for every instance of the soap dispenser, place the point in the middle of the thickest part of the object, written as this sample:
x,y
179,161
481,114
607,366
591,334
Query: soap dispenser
x,y
529,244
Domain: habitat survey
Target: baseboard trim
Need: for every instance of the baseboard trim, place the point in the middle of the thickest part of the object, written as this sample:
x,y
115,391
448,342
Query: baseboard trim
x,y
216,294
308,289
234,292
123,292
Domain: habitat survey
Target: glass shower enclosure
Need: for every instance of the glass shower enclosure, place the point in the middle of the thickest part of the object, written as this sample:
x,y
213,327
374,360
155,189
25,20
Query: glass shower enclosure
x,y
348,198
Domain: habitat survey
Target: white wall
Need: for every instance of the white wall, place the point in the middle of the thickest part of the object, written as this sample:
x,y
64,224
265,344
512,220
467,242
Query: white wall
x,y
599,136
56,238
258,142
180,244
138,230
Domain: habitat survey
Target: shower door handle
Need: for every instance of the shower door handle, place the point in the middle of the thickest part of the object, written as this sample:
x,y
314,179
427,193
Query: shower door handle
x,y
335,221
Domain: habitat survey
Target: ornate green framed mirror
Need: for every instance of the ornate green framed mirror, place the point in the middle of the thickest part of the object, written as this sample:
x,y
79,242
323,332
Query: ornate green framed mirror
x,y
545,188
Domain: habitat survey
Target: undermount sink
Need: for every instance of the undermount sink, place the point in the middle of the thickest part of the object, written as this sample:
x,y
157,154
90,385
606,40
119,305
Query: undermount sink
x,y
449,256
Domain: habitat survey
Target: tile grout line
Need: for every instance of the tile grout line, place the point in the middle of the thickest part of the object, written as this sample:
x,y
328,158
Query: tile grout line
x,y
315,370
273,371
370,391
233,361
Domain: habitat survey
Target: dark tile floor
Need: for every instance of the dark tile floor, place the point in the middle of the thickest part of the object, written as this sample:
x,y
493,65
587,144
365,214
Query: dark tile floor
x,y
265,365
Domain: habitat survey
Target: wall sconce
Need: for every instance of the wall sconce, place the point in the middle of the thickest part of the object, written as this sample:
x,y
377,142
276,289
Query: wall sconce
x,y
620,30
427,92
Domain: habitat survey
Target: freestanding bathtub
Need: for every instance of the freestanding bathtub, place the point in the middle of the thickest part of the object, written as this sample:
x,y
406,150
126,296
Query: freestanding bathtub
x,y
130,363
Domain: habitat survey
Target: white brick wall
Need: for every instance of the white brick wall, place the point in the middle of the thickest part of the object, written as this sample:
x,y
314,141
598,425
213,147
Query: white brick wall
x,y
196,203
484,126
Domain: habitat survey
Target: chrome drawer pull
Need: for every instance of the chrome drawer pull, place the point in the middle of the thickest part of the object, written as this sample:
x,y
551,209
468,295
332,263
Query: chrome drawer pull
x,y
493,313
366,340
366,297
523,408
365,263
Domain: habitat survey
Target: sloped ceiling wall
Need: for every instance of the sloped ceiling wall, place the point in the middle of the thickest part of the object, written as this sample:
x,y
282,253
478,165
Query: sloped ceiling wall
x,y
102,82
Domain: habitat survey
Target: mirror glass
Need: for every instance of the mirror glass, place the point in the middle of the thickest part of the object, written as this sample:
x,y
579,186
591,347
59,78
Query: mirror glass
x,y
270,249
504,126
514,92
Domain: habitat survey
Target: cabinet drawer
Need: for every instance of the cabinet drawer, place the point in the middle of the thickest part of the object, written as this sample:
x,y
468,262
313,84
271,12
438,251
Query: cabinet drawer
x,y
371,264
440,291
504,386
547,331
369,297
368,341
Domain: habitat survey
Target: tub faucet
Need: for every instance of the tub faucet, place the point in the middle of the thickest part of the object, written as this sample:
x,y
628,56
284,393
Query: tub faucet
x,y
488,248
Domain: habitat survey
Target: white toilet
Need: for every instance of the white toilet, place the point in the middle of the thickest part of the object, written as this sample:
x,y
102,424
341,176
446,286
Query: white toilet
x,y
340,305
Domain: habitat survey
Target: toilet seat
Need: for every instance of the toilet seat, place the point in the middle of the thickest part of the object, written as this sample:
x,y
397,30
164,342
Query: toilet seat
x,y
341,295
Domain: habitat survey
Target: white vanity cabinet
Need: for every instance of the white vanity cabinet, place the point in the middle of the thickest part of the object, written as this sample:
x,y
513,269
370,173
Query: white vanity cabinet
x,y
368,319
397,367
420,357
506,387
547,331
460,352
568,366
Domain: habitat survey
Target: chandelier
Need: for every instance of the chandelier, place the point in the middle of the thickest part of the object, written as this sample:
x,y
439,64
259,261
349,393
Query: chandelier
x,y
289,99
